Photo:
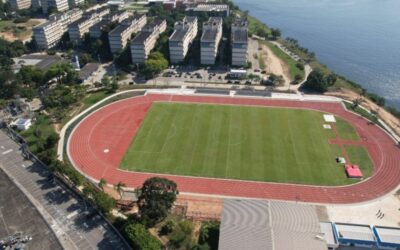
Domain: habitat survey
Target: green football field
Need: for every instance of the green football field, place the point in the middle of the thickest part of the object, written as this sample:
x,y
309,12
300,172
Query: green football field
x,y
241,142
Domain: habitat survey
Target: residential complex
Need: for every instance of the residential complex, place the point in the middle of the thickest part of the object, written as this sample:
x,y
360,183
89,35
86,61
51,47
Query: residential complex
x,y
96,30
55,5
181,39
20,4
80,27
239,42
210,40
145,41
118,37
48,34
216,10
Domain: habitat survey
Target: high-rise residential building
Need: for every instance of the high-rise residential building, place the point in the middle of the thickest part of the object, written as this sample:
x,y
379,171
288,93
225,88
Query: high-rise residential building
x,y
239,42
79,28
48,34
145,41
96,30
118,37
82,26
184,33
118,16
20,4
210,40
56,5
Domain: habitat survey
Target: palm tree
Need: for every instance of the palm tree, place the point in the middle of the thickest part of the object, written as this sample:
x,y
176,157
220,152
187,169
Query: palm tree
x,y
120,188
102,183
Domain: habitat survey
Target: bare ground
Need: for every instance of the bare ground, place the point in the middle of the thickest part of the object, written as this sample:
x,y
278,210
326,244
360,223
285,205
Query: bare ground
x,y
274,64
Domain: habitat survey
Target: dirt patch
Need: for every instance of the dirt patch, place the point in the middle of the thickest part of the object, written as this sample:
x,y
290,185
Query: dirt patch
x,y
8,36
387,117
201,208
273,64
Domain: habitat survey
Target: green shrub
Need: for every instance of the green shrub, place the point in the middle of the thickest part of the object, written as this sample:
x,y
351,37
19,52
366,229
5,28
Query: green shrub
x,y
140,238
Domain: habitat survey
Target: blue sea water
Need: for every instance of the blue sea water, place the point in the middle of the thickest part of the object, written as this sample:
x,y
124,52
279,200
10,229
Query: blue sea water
x,y
359,39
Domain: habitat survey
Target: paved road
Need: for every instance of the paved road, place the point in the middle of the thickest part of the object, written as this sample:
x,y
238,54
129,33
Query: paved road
x,y
75,225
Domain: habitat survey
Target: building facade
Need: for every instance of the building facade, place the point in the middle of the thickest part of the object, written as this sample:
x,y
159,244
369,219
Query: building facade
x,y
75,3
48,34
181,39
239,42
79,28
119,37
20,4
210,40
56,5
145,41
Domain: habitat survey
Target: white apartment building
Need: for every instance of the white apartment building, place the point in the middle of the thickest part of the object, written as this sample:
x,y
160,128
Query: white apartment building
x,y
211,9
96,30
239,42
118,37
58,5
99,13
145,41
20,4
48,34
181,39
210,40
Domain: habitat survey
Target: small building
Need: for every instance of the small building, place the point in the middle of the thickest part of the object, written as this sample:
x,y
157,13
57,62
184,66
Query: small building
x,y
88,73
387,237
354,235
214,10
42,61
23,124
237,73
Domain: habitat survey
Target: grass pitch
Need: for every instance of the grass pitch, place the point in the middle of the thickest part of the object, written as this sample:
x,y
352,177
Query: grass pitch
x,y
241,142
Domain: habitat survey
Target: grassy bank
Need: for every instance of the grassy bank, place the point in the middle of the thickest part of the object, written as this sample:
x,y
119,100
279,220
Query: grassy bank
x,y
20,31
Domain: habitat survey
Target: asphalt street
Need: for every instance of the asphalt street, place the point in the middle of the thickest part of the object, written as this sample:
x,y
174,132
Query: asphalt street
x,y
75,224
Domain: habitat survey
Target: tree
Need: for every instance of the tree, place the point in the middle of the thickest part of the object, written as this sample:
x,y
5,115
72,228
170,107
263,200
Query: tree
x,y
120,188
140,238
319,82
155,64
275,33
209,234
156,199
114,85
105,81
102,183
104,202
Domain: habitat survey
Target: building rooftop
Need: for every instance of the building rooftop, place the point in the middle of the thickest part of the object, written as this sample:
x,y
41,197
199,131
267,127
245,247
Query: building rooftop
x,y
141,37
388,234
239,36
43,62
100,24
118,30
79,21
275,225
153,24
209,7
327,232
210,28
240,22
354,232
88,70
178,35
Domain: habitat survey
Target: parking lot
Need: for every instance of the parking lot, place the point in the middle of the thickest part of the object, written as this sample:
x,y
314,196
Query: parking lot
x,y
18,215
76,225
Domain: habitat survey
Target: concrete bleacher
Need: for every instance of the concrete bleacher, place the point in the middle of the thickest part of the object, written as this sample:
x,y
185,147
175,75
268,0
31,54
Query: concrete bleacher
x,y
213,91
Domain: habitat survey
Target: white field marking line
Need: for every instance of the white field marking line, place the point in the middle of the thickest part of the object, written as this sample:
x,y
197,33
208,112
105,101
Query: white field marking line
x,y
229,140
194,148
293,141
7,151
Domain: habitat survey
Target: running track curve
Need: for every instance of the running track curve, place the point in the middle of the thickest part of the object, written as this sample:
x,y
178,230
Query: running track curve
x,y
99,142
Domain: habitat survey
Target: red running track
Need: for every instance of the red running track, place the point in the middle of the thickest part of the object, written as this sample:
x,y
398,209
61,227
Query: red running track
x,y
99,142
